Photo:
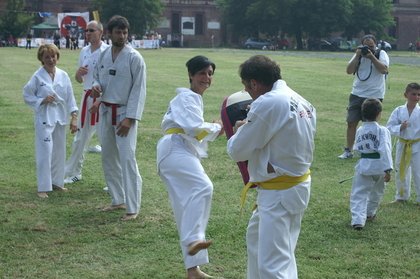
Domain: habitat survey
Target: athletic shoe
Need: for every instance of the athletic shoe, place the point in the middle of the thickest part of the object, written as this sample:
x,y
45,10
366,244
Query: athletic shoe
x,y
106,189
95,149
371,218
72,179
358,227
346,155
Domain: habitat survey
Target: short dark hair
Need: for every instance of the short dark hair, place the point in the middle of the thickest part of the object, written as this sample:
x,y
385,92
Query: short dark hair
x,y
119,22
197,63
412,86
371,108
368,36
261,68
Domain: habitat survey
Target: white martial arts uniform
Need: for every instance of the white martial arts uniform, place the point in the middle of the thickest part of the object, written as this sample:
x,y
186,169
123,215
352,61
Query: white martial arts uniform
x,y
50,122
368,181
412,132
86,125
123,84
279,131
178,162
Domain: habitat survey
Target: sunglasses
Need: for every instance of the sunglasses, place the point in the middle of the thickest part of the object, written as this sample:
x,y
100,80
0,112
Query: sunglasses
x,y
90,30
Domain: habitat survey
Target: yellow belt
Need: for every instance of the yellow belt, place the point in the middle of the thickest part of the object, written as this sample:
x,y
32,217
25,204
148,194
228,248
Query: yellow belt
x,y
282,182
199,137
406,156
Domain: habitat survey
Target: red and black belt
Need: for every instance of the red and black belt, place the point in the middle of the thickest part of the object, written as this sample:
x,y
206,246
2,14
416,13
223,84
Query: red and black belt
x,y
94,117
114,111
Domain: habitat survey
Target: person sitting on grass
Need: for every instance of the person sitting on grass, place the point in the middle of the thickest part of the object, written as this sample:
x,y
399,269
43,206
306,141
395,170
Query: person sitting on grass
x,y
374,167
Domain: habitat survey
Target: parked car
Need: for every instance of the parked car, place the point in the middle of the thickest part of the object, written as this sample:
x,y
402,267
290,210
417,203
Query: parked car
x,y
327,45
253,43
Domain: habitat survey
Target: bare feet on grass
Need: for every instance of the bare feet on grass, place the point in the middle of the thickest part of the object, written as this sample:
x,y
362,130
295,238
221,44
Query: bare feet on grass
x,y
197,246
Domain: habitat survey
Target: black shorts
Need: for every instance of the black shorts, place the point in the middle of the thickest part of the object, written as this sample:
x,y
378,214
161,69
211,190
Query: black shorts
x,y
354,109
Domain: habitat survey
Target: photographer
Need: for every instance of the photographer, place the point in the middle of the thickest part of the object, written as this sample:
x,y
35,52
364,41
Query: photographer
x,y
369,66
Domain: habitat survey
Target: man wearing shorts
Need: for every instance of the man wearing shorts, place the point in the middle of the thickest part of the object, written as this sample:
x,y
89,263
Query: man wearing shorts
x,y
369,66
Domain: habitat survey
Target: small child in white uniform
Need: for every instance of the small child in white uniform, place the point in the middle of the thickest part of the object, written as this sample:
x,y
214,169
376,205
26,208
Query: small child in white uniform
x,y
373,142
404,123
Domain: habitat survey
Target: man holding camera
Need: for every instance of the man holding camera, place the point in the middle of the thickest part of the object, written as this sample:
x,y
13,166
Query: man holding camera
x,y
369,66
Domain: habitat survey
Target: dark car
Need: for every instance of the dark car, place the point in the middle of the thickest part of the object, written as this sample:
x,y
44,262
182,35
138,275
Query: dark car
x,y
328,45
253,43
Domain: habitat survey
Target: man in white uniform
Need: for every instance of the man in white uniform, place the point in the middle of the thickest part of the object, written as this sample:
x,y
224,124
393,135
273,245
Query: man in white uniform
x,y
277,140
120,80
369,66
89,106
404,123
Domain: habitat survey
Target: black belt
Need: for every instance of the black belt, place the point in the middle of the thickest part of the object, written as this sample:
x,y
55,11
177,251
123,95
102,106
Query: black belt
x,y
374,155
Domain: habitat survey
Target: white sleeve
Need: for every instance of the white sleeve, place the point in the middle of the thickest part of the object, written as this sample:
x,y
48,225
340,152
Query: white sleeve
x,y
30,93
394,124
189,108
253,135
385,149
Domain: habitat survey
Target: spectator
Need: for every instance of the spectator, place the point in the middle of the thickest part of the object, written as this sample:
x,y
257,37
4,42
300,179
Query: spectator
x,y
369,66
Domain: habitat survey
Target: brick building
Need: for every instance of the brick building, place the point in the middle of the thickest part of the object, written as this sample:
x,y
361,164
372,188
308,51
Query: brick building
x,y
197,23
407,23
191,23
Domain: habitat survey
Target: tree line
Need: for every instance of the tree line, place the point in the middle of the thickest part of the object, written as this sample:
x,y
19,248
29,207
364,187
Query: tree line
x,y
245,18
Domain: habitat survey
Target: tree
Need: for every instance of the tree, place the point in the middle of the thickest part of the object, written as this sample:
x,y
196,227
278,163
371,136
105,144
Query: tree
x,y
318,18
15,21
234,15
307,18
369,16
143,15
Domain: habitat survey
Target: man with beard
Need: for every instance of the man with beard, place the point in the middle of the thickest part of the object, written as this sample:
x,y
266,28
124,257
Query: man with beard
x,y
120,81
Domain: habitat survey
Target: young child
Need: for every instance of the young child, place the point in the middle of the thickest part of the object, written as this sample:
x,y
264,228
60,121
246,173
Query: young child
x,y
404,123
373,141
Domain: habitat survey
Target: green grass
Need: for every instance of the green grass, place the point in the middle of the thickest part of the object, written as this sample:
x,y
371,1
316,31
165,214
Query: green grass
x,y
66,236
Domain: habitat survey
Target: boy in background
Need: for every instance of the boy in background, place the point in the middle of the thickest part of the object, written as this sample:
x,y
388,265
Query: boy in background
x,y
404,123
373,169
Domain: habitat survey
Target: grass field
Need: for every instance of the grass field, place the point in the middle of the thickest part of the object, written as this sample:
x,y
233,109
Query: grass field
x,y
66,236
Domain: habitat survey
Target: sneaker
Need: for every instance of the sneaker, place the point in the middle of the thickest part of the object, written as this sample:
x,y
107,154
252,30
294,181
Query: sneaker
x,y
358,227
371,218
95,149
346,155
72,179
105,188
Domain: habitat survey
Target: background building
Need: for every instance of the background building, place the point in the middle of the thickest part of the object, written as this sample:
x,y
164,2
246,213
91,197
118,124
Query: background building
x,y
407,23
198,23
190,23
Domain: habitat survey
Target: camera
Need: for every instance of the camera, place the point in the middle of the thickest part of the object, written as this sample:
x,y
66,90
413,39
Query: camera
x,y
364,50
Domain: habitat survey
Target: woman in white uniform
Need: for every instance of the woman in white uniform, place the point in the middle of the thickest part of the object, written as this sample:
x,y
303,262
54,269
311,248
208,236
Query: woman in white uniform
x,y
50,94
178,160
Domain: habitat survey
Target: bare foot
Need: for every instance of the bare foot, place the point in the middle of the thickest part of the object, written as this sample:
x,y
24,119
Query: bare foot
x,y
58,188
129,216
113,207
196,273
42,195
196,246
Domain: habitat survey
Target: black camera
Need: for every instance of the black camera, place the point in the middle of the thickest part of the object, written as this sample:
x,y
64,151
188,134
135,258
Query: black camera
x,y
364,50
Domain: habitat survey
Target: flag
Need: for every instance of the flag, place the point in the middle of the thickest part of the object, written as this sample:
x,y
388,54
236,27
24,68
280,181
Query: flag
x,y
44,14
96,15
